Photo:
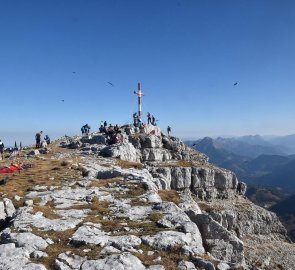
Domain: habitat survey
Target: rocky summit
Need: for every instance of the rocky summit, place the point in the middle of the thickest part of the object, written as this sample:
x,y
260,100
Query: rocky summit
x,y
147,202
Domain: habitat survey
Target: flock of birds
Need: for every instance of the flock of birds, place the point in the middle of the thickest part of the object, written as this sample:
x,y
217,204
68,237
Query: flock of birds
x,y
112,85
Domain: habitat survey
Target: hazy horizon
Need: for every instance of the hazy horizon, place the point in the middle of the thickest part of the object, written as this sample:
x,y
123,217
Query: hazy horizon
x,y
206,67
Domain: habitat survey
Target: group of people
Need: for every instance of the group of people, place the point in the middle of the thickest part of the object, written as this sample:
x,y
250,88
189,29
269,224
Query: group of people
x,y
151,119
112,131
85,129
38,138
138,123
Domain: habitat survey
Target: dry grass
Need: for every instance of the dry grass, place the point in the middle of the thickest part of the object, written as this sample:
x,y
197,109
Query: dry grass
x,y
46,210
62,244
178,163
97,207
207,207
105,182
170,195
169,259
129,164
134,190
155,216
22,181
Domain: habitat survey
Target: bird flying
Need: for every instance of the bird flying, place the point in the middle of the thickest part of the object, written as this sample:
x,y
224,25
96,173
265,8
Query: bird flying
x,y
236,83
110,84
62,100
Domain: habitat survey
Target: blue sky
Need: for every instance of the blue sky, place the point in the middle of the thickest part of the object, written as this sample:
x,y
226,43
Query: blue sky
x,y
186,53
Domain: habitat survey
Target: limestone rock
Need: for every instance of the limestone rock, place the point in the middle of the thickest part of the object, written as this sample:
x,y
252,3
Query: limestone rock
x,y
68,260
12,257
124,151
7,210
155,154
185,265
120,261
88,235
221,243
150,141
94,139
29,241
181,177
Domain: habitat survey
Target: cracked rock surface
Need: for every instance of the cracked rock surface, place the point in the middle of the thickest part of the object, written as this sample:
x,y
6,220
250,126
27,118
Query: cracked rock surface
x,y
150,202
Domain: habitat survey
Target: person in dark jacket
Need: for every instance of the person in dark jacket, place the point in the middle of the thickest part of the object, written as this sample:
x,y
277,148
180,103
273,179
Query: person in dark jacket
x,y
168,130
38,139
2,149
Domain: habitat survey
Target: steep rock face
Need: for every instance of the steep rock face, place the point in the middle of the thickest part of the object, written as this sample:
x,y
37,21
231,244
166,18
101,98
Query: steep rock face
x,y
244,218
204,182
218,241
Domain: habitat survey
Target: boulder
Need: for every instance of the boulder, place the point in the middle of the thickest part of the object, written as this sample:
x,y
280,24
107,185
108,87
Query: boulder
x,y
7,210
94,139
115,261
67,261
124,151
29,241
221,243
150,141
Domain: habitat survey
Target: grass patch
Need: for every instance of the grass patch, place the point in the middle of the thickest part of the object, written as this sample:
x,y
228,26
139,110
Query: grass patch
x,y
155,216
170,195
134,190
207,207
169,259
24,180
104,182
62,244
144,227
129,164
97,206
46,210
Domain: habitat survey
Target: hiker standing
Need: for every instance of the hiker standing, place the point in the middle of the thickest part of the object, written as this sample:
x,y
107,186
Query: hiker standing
x,y
149,118
168,130
153,120
136,120
82,130
38,139
2,150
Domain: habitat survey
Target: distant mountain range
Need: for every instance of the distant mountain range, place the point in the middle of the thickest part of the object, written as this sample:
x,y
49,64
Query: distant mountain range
x,y
253,159
266,164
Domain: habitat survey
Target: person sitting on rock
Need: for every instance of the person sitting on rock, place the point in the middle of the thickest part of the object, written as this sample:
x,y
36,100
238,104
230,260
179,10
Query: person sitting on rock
x,y
47,139
117,129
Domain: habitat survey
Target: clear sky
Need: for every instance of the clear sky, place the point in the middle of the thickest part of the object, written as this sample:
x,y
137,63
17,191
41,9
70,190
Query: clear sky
x,y
186,53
